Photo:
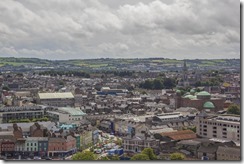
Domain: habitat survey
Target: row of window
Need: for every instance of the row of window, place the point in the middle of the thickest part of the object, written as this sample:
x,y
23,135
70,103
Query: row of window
x,y
215,136
219,124
35,144
75,119
30,149
7,145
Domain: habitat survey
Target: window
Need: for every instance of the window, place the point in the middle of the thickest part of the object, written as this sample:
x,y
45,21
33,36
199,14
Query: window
x,y
30,144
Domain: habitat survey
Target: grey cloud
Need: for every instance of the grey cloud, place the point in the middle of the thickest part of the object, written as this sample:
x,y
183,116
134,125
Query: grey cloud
x,y
131,28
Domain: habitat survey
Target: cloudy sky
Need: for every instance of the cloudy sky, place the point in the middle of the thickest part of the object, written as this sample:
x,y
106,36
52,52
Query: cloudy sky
x,y
82,29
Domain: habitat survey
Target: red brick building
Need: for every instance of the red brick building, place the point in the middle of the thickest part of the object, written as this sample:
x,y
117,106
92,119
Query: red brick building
x,y
201,100
7,147
61,147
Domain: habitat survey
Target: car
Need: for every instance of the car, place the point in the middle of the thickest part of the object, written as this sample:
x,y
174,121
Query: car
x,y
98,151
37,158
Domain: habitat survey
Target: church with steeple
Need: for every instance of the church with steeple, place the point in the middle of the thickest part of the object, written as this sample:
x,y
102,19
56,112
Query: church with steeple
x,y
184,78
188,79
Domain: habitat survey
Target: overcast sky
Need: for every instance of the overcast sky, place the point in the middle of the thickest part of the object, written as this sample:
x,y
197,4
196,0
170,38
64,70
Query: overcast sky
x,y
82,29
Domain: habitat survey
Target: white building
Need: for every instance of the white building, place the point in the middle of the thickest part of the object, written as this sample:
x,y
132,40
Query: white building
x,y
222,127
165,118
66,115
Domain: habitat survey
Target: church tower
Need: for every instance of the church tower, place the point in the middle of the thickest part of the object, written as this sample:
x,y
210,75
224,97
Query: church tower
x,y
185,75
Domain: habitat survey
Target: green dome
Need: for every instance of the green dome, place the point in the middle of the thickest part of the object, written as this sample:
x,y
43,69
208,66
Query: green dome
x,y
208,105
178,91
190,97
187,93
203,93
192,91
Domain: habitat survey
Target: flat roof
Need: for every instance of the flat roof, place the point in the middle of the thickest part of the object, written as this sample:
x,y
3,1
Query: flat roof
x,y
63,95
72,111
168,116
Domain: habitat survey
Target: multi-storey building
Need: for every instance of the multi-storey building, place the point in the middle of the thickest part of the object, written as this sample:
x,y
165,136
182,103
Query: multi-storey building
x,y
222,127
63,99
66,115
137,144
7,147
43,146
31,145
24,112
85,139
61,147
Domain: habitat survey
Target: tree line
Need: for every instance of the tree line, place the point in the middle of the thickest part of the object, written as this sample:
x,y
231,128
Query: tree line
x,y
146,154
166,83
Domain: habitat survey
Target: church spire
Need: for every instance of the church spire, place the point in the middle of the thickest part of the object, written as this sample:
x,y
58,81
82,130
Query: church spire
x,y
185,67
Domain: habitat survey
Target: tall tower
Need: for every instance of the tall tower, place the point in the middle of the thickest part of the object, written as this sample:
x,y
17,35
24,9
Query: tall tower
x,y
185,75
198,76
185,71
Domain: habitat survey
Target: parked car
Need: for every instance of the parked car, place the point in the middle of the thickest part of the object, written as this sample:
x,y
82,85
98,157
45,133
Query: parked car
x,y
98,151
37,158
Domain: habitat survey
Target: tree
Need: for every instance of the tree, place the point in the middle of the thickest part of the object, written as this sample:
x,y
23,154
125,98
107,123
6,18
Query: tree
x,y
104,158
140,156
149,152
144,93
234,109
169,83
157,84
119,142
177,156
147,84
198,84
85,155
6,88
114,158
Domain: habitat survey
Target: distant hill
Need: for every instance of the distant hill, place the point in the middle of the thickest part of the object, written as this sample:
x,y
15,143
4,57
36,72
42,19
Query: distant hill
x,y
111,64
